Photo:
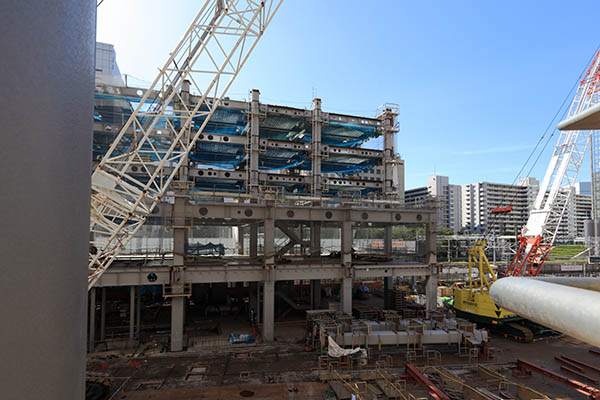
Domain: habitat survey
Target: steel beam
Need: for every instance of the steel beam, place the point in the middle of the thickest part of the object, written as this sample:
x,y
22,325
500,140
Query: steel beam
x,y
590,391
422,380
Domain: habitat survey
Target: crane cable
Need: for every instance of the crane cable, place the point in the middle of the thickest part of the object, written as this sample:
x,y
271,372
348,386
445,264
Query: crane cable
x,y
561,112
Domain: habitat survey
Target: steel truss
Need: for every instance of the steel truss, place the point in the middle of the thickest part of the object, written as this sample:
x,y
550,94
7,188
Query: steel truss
x,y
161,131
556,189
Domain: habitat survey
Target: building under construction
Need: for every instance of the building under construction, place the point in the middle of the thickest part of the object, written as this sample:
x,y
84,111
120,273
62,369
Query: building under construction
x,y
276,177
237,249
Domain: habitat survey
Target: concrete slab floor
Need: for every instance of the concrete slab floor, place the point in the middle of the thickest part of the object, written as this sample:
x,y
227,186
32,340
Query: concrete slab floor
x,y
270,368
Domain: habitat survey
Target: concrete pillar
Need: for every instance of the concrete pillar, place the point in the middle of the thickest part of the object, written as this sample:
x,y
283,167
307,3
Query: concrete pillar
x,y
346,286
131,314
177,322
315,239
253,302
103,316
388,292
254,140
92,321
253,245
240,240
268,310
388,117
315,294
46,108
431,284
269,239
316,148
346,295
387,241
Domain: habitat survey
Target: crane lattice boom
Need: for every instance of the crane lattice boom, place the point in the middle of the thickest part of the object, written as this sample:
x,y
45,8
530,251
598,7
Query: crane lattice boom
x,y
556,189
128,183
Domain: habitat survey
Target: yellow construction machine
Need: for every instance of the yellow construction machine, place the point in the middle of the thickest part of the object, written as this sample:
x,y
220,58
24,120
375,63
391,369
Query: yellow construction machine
x,y
473,302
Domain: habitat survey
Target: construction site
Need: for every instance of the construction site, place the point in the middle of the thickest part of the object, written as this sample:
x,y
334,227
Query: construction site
x,y
240,248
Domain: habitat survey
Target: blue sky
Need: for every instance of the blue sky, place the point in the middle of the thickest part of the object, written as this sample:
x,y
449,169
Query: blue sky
x,y
477,82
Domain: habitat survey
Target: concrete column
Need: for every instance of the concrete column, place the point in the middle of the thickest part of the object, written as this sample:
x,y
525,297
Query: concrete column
x,y
316,148
315,239
253,301
269,240
388,290
346,286
103,316
92,321
431,256
131,314
387,241
388,117
431,285
254,140
346,295
138,312
177,322
315,294
240,240
253,245
268,310
46,108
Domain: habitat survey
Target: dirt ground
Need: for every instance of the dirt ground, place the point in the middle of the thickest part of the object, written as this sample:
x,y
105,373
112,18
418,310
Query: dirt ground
x,y
271,371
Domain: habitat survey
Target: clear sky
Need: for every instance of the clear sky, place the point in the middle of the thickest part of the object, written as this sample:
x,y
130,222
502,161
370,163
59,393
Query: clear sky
x,y
477,81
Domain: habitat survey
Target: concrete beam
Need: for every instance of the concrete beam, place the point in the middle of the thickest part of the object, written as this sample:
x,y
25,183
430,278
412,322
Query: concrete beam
x,y
138,274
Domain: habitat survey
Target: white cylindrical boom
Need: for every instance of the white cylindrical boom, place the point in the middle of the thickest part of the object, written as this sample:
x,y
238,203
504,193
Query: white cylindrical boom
x,y
570,310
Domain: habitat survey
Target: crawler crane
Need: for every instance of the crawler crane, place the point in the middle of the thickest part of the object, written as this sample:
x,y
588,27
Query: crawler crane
x,y
128,184
538,235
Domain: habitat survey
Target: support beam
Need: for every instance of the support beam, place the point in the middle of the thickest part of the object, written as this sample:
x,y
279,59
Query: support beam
x,y
268,311
131,314
92,321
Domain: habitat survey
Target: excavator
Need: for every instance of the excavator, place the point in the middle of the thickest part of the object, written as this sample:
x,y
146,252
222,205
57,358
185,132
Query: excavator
x,y
473,302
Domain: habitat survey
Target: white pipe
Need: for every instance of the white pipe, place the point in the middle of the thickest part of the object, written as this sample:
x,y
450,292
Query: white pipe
x,y
572,311
577,282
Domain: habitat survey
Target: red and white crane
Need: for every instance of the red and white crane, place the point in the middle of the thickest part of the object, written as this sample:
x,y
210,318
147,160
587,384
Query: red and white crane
x,y
556,189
